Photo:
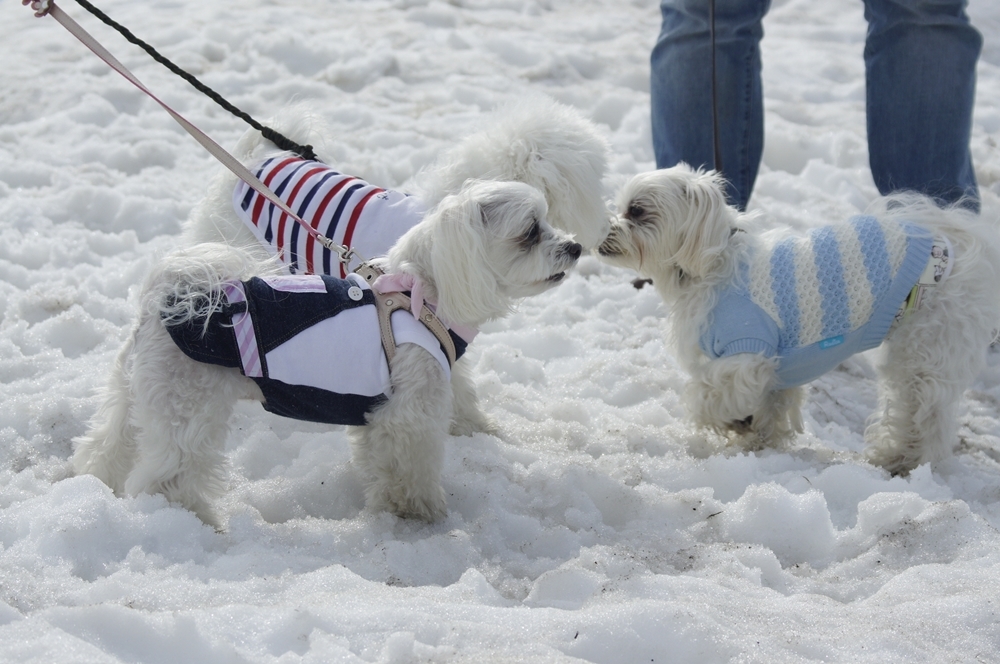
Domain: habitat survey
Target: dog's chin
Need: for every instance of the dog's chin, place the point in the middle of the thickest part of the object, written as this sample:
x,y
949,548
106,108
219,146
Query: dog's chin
x,y
550,282
538,287
614,254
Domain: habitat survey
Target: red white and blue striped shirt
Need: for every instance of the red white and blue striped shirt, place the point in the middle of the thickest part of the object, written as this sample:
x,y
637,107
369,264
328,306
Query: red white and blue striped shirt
x,y
349,211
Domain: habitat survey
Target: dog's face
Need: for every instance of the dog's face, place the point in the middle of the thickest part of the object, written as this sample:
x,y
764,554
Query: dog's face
x,y
671,222
491,245
526,255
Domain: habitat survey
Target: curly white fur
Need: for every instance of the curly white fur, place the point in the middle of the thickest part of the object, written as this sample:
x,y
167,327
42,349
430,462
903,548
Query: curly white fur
x,y
537,141
676,228
164,421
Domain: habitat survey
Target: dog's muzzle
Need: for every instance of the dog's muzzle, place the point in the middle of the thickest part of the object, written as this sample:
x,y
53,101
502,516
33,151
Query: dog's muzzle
x,y
612,245
574,250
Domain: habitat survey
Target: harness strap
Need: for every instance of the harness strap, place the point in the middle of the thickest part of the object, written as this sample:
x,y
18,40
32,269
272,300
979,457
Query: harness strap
x,y
716,142
386,303
936,272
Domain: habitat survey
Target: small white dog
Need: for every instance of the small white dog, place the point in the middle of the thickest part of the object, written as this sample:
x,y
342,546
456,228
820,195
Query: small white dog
x,y
164,420
537,141
754,317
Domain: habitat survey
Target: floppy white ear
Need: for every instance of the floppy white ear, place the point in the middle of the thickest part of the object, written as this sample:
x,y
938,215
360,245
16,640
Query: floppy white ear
x,y
706,228
570,180
468,292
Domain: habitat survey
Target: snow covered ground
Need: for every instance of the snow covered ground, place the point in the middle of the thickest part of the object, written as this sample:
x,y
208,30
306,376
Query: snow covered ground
x,y
600,527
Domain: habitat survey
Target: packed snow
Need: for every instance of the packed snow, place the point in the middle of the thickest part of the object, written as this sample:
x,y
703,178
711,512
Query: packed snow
x,y
599,526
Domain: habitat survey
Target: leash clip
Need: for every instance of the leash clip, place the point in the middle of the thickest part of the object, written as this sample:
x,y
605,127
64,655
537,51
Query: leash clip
x,y
346,255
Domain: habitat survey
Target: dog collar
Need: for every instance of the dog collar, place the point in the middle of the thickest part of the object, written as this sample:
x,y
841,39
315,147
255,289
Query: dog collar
x,y
389,297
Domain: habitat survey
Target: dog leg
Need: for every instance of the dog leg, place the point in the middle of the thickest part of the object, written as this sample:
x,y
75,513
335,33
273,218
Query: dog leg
x,y
107,450
734,395
780,416
468,417
918,421
182,410
928,364
401,450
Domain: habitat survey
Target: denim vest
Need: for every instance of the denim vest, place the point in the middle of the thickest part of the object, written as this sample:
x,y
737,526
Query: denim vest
x,y
310,342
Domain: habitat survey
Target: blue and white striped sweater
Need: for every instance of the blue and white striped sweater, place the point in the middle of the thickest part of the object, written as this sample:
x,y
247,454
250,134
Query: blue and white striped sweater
x,y
814,301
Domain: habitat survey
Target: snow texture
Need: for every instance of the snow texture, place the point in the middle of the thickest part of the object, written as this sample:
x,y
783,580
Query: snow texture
x,y
599,526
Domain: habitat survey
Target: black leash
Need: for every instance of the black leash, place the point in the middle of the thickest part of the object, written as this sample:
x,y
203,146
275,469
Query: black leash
x,y
716,143
283,142
44,8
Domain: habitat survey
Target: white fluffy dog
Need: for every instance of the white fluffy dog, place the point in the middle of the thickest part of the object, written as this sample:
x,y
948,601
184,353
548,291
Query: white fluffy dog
x,y
164,420
540,142
755,316
537,141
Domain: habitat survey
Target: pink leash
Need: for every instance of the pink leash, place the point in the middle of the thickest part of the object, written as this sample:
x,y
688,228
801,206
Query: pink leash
x,y
388,283
49,8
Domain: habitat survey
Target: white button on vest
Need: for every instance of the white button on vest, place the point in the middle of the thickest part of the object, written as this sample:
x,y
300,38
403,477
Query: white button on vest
x,y
355,293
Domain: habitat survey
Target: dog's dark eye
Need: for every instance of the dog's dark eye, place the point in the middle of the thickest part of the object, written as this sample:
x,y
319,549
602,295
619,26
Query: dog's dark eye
x,y
531,238
634,212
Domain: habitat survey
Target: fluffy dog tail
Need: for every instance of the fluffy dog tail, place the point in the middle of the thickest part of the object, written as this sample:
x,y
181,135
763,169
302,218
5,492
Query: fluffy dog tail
x,y
184,285
975,238
187,284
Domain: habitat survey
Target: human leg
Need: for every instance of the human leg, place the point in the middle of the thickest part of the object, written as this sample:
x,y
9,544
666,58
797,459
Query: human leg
x,y
681,89
920,61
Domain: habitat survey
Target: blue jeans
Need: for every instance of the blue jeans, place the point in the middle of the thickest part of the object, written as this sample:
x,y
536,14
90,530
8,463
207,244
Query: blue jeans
x,y
920,65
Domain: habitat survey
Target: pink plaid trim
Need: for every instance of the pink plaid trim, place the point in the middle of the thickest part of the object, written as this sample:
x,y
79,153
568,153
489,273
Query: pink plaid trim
x,y
296,283
246,339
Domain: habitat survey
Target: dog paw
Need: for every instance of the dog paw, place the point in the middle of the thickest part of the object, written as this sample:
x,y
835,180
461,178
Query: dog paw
x,y
428,509
467,426
891,460
741,427
886,451
208,515
429,505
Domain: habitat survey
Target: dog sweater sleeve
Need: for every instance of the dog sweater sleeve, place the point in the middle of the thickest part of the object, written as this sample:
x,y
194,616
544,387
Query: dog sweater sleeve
x,y
737,325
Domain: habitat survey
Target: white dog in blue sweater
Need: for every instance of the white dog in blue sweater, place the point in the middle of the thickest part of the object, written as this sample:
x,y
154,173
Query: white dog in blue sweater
x,y
753,320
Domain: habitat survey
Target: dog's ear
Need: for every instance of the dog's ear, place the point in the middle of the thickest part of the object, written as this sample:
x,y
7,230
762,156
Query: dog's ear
x,y
706,228
522,153
468,292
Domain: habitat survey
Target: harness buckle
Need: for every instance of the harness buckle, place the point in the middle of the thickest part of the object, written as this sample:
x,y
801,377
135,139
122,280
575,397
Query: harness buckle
x,y
386,303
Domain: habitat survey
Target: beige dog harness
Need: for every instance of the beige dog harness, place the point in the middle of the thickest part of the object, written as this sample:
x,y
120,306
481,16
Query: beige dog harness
x,y
386,303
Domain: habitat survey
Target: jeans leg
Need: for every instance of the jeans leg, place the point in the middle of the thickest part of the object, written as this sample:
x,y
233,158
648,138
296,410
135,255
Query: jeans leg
x,y
920,61
681,89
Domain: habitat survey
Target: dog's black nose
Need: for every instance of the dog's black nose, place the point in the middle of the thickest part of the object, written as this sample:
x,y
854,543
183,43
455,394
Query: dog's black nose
x,y
574,250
